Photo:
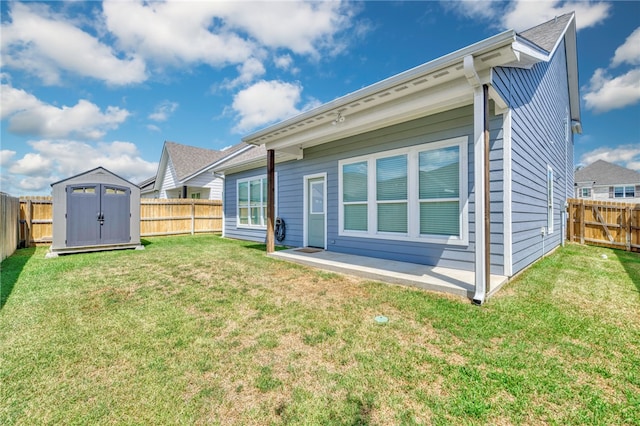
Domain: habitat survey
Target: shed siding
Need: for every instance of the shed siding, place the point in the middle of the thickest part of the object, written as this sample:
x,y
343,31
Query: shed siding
x,y
324,159
541,136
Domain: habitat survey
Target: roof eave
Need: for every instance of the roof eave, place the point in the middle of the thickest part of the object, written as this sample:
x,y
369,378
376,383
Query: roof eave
x,y
500,40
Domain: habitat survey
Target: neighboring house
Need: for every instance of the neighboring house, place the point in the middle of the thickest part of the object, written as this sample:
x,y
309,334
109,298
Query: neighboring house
x,y
606,181
396,170
186,172
146,188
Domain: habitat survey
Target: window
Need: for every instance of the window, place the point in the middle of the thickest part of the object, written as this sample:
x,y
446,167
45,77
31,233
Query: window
x,y
549,200
84,190
411,193
252,202
195,195
624,192
115,191
585,192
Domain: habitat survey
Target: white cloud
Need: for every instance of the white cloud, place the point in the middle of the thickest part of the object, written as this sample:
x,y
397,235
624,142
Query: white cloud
x,y
606,93
629,51
29,116
265,102
625,155
221,33
523,14
302,27
283,62
40,42
163,110
52,160
5,157
170,32
13,100
36,183
251,69
32,165
153,127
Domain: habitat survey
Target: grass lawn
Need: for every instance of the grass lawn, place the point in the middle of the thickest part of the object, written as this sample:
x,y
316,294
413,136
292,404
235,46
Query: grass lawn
x,y
202,330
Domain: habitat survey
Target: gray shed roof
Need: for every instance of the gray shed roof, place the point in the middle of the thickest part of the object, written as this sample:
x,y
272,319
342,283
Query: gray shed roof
x,y
604,173
547,34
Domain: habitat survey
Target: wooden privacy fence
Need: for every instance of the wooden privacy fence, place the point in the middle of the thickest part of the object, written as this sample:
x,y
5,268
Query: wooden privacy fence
x,y
604,223
9,207
179,216
157,217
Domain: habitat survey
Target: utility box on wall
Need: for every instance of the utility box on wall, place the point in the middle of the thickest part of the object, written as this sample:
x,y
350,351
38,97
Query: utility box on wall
x,y
95,210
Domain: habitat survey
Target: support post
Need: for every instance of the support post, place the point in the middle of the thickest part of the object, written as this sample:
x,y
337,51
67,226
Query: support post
x,y
487,190
481,150
270,200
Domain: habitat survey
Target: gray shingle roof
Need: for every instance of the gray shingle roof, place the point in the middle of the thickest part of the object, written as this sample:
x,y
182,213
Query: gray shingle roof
x,y
188,160
253,153
604,173
546,35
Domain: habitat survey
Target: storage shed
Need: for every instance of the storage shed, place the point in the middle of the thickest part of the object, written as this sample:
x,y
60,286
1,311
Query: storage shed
x,y
95,210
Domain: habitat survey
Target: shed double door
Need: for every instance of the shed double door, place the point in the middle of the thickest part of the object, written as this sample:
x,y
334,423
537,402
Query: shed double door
x,y
98,214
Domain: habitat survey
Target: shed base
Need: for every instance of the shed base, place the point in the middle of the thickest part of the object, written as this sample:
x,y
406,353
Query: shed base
x,y
53,253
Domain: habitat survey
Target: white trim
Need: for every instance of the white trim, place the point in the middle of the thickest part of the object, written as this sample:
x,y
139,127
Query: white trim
x,y
413,231
478,165
507,194
305,207
248,179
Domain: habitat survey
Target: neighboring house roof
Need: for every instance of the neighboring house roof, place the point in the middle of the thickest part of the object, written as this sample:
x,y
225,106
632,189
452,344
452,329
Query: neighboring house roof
x,y
444,83
604,173
147,184
189,161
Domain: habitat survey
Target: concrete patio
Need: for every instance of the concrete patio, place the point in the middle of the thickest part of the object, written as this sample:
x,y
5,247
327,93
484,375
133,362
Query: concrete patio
x,y
446,280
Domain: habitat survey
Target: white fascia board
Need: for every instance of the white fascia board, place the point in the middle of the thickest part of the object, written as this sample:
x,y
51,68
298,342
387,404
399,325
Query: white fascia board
x,y
440,98
255,163
476,49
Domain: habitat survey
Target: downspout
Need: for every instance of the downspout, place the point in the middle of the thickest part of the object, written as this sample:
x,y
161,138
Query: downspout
x,y
481,178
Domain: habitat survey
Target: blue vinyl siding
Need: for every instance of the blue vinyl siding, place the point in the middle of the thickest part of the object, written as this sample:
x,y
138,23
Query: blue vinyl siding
x,y
324,159
230,205
539,100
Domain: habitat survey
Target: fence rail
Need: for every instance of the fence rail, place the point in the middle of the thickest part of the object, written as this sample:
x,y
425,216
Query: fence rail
x,y
604,223
157,217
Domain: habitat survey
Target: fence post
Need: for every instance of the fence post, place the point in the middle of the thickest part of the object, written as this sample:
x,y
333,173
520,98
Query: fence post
x,y
572,210
582,215
28,224
627,228
193,216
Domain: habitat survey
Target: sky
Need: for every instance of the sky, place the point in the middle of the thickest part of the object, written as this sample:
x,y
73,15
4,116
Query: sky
x,y
88,84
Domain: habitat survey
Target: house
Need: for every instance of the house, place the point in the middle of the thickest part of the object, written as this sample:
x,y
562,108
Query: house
x,y
186,172
602,180
146,188
464,162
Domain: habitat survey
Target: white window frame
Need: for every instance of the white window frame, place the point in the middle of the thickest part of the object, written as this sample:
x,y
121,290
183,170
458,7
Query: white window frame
x,y
550,209
263,203
582,192
413,202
